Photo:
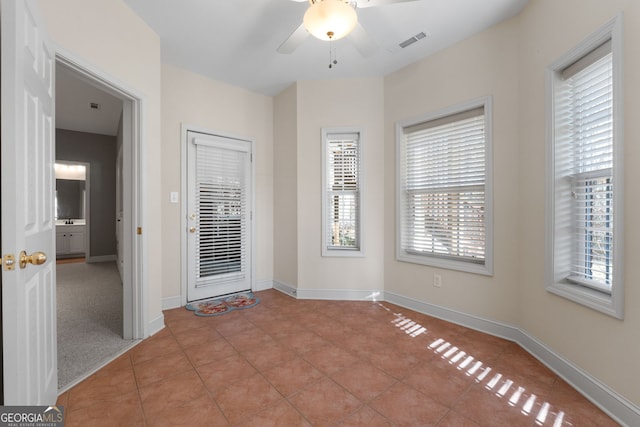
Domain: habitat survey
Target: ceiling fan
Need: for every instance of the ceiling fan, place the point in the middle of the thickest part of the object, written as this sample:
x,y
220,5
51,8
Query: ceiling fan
x,y
332,20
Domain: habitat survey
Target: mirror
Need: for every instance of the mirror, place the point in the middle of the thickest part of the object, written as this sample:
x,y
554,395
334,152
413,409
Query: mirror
x,y
70,196
70,191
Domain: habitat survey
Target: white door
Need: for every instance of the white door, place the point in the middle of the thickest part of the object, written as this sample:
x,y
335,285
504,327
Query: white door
x,y
28,224
219,187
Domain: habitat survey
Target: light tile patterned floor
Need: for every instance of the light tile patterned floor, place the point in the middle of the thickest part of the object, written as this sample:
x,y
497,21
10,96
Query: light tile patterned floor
x,y
290,362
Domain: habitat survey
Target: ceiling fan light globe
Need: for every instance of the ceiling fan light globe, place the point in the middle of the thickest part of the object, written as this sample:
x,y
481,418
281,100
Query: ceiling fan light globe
x,y
326,17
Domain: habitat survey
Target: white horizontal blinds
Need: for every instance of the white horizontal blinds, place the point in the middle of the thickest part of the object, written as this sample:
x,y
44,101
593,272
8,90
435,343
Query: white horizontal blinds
x,y
586,102
221,208
343,191
443,187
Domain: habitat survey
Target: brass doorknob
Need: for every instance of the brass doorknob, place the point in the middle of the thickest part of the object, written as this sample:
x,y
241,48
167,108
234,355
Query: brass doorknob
x,y
192,229
36,258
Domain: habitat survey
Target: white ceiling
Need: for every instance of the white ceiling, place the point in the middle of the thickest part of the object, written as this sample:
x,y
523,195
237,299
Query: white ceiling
x,y
73,96
236,42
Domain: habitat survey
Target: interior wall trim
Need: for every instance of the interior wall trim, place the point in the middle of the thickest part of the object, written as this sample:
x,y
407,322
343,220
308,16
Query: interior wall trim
x,y
262,285
102,258
616,406
169,303
341,294
285,288
156,325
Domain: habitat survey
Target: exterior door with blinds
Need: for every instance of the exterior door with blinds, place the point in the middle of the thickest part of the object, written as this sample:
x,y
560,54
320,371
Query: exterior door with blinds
x,y
219,194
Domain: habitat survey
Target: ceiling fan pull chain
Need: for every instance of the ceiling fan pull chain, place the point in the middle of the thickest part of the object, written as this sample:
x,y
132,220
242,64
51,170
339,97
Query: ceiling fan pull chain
x,y
332,54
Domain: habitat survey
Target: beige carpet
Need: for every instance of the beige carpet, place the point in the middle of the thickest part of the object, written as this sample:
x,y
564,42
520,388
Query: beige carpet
x,y
89,303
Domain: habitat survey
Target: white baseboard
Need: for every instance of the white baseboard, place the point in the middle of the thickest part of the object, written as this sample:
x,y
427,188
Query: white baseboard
x,y
285,288
101,258
262,285
329,294
492,327
171,302
155,326
616,406
341,294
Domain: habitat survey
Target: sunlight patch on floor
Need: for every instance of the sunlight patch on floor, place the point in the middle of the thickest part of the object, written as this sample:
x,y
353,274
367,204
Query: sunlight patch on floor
x,y
410,327
500,385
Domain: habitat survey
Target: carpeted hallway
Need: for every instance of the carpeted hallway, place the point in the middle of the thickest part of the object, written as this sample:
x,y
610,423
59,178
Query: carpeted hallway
x,y
89,304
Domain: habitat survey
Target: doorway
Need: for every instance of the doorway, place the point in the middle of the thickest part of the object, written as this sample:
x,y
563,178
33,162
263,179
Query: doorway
x,y
109,122
72,204
219,180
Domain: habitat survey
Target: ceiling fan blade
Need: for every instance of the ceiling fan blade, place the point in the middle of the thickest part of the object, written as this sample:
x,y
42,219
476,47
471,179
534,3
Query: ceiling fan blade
x,y
376,3
362,41
296,38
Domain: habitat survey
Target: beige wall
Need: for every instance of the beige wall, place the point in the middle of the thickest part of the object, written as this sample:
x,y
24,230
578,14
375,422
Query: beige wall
x,y
483,65
285,183
107,36
340,103
194,100
508,62
607,348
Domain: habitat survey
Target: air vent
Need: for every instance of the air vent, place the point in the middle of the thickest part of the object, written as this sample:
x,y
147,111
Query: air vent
x,y
412,40
94,106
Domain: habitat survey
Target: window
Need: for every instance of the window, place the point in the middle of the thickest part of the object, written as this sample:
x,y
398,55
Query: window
x,y
584,231
444,188
342,197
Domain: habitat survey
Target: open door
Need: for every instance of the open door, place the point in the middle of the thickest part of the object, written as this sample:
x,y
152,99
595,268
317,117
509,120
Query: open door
x,y
28,223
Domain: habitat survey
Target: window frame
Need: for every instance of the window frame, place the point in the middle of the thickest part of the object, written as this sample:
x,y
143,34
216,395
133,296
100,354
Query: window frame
x,y
579,291
327,249
402,255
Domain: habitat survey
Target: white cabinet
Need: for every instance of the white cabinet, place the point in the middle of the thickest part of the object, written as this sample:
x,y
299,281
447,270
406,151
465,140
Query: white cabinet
x,y
70,240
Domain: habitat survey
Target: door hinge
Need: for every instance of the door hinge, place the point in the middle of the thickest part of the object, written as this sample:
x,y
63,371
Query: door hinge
x,y
9,262
139,230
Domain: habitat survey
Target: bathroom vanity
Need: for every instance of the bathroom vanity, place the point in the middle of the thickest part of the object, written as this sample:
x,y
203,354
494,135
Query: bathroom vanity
x,y
70,238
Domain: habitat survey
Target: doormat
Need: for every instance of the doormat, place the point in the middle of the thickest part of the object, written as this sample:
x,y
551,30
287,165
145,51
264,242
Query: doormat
x,y
218,306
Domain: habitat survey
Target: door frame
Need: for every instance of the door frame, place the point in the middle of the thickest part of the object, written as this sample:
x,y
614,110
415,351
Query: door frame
x,y
134,286
184,274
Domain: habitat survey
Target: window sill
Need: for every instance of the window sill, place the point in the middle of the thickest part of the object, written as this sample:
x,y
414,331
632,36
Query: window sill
x,y
588,297
449,264
343,253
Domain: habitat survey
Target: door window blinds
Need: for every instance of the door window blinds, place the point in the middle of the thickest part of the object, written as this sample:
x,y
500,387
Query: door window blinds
x,y
221,210
584,168
442,187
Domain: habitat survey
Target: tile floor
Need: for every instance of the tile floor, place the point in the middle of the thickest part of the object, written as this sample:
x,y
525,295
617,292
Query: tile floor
x,y
288,362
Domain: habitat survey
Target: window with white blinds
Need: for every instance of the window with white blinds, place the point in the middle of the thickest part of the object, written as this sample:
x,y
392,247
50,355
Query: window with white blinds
x,y
585,110
341,193
584,197
443,183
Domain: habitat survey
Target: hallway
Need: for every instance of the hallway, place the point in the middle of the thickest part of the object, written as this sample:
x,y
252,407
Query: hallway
x,y
89,315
